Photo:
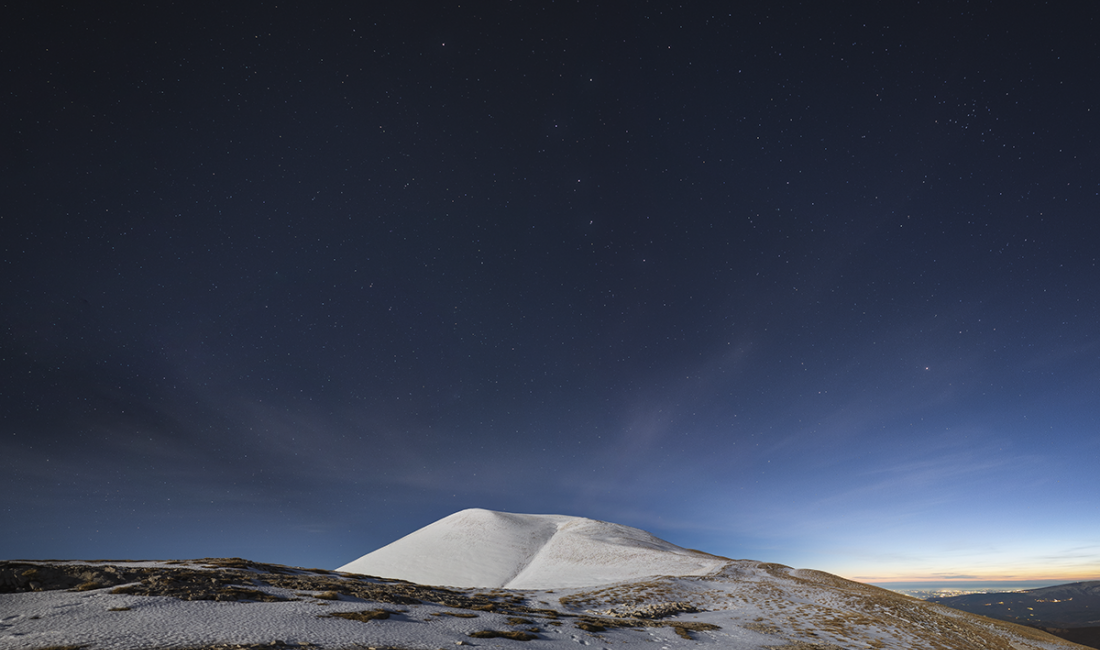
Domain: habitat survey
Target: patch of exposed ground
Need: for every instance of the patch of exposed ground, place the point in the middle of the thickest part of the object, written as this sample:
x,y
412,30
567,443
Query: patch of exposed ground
x,y
273,645
802,645
236,579
365,615
515,635
590,623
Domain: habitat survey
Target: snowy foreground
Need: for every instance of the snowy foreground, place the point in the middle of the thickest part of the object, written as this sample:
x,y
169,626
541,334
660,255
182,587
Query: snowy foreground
x,y
232,603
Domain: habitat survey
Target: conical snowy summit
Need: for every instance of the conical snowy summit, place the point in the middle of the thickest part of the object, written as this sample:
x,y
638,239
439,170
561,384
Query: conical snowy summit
x,y
482,548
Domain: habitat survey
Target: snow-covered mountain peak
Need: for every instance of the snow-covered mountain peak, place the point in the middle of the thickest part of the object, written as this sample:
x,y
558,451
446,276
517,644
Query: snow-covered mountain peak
x,y
484,548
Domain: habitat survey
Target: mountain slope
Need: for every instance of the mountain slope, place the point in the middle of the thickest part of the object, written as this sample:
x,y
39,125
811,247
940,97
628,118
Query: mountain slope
x,y
1075,604
483,548
612,586
233,604
1070,611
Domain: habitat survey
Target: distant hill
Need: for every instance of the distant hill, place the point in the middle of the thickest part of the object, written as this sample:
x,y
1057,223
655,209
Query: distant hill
x,y
1071,611
1076,604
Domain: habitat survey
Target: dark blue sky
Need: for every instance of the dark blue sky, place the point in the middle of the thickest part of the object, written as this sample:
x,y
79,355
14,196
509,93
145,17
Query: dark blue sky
x,y
793,283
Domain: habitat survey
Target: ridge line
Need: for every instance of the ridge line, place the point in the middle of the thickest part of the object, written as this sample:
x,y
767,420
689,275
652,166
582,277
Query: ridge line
x,y
531,558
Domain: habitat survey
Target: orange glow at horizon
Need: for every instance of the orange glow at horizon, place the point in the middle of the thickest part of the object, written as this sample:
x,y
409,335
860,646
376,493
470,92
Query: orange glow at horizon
x,y
1017,576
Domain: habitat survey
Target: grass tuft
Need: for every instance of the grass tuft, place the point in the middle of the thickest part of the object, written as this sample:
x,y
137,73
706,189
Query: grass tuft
x,y
515,635
87,586
363,616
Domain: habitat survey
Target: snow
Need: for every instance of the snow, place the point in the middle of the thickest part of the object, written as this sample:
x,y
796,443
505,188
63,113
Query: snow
x,y
483,548
67,618
756,606
532,564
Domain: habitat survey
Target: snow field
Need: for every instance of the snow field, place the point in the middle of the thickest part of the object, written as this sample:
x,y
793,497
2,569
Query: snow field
x,y
586,571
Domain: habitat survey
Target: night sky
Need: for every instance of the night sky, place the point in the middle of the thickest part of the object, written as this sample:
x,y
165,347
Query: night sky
x,y
817,285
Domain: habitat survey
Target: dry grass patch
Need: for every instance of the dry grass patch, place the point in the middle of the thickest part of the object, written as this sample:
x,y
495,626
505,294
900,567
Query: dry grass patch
x,y
634,594
762,628
363,616
515,635
244,593
497,594
682,631
602,623
456,614
803,645
88,586
225,563
271,645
